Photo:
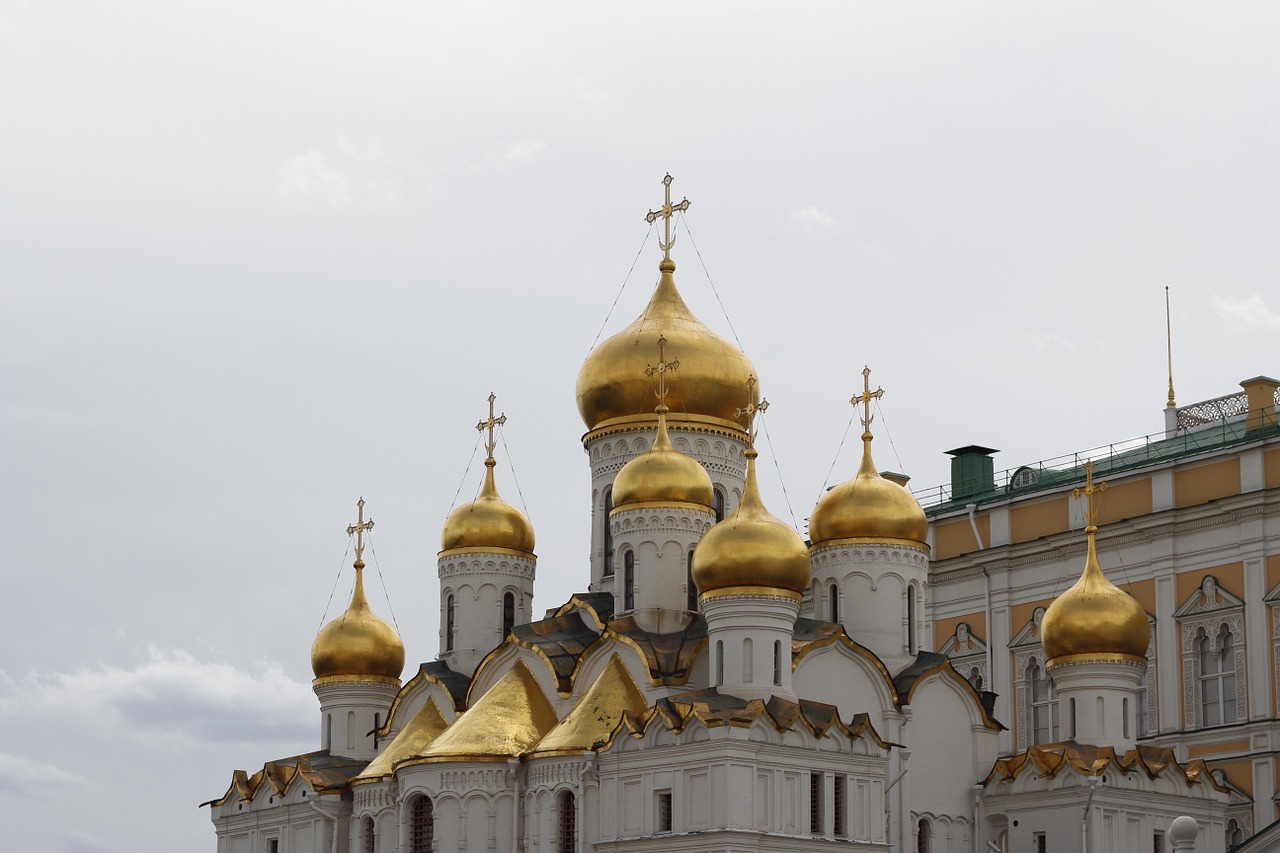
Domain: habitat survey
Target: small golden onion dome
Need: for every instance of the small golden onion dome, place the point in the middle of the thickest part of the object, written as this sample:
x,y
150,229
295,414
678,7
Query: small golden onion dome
x,y
663,475
751,548
868,507
612,382
1094,617
358,643
487,522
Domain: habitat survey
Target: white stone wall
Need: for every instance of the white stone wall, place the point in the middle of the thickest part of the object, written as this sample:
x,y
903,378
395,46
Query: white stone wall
x,y
478,580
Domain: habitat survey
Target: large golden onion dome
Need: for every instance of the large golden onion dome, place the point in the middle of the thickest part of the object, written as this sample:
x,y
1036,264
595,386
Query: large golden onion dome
x,y
612,382
487,522
868,507
358,643
662,475
1095,617
751,549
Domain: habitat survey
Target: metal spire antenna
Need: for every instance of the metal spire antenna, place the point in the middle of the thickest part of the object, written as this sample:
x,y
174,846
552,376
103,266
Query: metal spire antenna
x,y
865,399
358,529
667,211
661,370
1168,333
489,425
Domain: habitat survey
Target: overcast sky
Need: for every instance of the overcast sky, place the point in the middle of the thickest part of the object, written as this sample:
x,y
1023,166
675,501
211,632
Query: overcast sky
x,y
261,259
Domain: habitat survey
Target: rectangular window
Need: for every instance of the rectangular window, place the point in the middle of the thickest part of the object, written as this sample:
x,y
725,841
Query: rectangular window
x,y
664,811
273,845
1039,842
1157,843
815,803
838,810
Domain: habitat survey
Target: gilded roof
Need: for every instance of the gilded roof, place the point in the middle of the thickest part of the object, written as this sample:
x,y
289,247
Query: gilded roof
x,y
669,657
662,475
595,719
1087,760
411,742
487,522
358,642
1094,617
868,507
434,672
506,722
612,384
325,773
598,605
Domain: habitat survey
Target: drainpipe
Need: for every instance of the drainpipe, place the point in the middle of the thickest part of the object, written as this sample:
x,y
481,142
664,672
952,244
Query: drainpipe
x,y
333,847
986,590
977,817
1084,819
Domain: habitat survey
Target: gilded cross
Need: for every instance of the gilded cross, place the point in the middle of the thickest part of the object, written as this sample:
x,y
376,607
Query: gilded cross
x,y
501,419
358,529
661,369
866,397
667,211
1090,488
748,413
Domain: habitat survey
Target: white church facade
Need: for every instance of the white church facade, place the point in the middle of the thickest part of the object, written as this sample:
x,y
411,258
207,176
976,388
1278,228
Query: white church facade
x,y
722,684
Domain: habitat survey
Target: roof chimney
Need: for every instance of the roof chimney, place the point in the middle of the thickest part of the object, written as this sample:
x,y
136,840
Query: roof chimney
x,y
972,471
1261,391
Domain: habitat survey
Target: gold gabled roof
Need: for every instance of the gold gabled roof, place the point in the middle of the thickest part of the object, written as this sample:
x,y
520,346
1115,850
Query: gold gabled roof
x,y
1086,760
594,720
411,742
505,722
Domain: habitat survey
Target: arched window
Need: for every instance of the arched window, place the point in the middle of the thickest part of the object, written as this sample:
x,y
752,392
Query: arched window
x,y
924,834
328,731
911,620
777,662
1235,835
368,836
567,836
422,826
717,502
608,533
448,624
1044,705
692,591
834,603
1217,678
629,580
1142,705
719,662
748,662
508,614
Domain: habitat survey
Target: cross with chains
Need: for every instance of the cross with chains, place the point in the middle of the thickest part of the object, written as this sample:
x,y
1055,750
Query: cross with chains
x,y
358,529
667,211
490,424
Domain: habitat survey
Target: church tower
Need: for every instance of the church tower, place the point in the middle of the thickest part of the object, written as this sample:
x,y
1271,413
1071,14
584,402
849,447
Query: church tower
x,y
1095,643
751,570
486,566
663,502
616,401
357,660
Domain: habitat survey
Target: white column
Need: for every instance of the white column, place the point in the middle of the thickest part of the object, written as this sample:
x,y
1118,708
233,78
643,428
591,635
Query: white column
x,y
1257,641
1168,663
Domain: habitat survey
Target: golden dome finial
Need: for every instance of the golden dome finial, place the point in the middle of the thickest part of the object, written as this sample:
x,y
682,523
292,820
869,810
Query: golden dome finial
x,y
667,211
488,521
663,474
1094,617
358,643
492,422
358,529
868,507
747,414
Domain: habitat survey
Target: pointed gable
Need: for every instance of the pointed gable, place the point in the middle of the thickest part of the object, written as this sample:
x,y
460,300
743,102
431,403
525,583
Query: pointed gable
x,y
506,722
412,741
594,720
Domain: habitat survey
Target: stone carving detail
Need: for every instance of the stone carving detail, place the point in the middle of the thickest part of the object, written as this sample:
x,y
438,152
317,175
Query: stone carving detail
x,y
1209,609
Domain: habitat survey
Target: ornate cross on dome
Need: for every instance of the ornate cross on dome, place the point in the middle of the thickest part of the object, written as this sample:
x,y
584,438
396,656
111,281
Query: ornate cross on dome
x,y
748,413
358,529
667,211
1090,488
661,370
865,399
490,444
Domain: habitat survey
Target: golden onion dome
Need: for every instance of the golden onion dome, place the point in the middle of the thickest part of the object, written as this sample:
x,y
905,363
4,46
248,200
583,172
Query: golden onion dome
x,y
751,548
1094,617
612,382
358,643
487,522
663,475
868,507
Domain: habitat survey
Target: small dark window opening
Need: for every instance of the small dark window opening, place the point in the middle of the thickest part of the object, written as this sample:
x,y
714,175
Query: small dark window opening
x,y
448,624
422,826
835,603
815,803
664,811
568,830
629,580
718,503
608,533
508,614
838,814
692,587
